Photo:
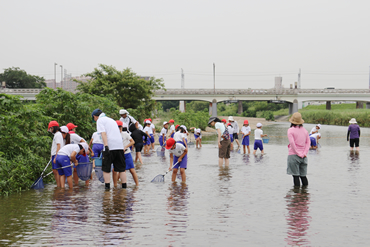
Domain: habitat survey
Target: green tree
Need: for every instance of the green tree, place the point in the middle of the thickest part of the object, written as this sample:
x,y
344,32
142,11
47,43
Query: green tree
x,y
16,78
127,89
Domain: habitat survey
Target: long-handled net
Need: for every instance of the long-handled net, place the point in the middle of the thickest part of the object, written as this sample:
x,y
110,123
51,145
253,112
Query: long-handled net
x,y
37,183
99,173
160,151
160,178
84,170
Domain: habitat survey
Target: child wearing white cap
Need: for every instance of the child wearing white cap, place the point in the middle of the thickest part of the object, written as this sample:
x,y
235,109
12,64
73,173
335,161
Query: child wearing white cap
x,y
197,136
315,129
258,134
314,139
162,137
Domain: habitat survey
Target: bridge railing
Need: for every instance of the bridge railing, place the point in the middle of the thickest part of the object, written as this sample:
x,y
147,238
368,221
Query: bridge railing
x,y
20,90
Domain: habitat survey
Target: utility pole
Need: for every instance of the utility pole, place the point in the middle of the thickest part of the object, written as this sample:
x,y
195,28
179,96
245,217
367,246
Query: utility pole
x,y
182,105
299,79
55,75
61,76
214,78
182,79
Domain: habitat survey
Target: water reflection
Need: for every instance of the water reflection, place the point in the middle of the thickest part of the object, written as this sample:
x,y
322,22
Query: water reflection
x,y
177,208
224,173
298,218
354,157
246,158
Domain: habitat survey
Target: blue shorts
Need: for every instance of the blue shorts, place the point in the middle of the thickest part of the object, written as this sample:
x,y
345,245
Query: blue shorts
x,y
129,161
182,164
245,141
197,136
147,141
313,141
172,134
62,161
53,165
161,140
231,138
81,159
97,148
258,144
151,138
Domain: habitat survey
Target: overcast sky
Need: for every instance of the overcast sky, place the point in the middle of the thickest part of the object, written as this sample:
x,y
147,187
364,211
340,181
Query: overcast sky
x,y
250,42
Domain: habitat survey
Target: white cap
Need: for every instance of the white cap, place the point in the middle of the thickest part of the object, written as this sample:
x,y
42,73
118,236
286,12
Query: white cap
x,y
197,130
147,121
165,122
85,146
121,112
184,127
64,129
259,125
352,121
318,125
124,125
231,119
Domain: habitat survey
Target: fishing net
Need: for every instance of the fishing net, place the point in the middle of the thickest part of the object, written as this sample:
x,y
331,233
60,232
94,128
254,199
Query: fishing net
x,y
38,184
99,173
84,171
191,144
158,179
160,151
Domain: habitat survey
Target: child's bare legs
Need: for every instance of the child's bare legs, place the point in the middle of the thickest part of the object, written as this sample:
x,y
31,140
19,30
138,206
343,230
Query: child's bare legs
x,y
138,156
254,152
183,174
134,176
69,180
56,176
244,149
249,151
75,176
200,142
226,162
174,173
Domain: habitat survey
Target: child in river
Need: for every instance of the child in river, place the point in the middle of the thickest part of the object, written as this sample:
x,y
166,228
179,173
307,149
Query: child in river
x,y
178,153
258,134
245,131
314,139
353,134
162,137
197,136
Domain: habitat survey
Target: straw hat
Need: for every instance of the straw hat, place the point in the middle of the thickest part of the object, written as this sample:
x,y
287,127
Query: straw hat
x,y
296,118
352,121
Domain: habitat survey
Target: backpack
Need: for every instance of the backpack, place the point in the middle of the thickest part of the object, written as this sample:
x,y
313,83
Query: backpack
x,y
226,135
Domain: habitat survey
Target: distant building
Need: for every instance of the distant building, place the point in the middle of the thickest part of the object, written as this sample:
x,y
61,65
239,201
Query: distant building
x,y
70,85
278,82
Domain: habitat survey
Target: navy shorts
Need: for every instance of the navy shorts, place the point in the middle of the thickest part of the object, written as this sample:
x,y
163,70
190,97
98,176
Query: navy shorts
x,y
182,164
97,148
245,141
161,141
258,145
151,138
62,161
129,161
53,165
313,141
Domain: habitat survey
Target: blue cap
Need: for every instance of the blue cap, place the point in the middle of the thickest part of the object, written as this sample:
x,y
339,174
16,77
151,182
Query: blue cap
x,y
96,112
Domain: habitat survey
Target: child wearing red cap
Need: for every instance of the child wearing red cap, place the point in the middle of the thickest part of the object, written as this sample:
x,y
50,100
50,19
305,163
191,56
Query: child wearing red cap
x,y
172,128
245,131
178,153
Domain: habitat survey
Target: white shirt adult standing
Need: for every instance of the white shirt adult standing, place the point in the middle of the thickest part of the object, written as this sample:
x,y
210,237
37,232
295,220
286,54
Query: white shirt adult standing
x,y
113,147
236,129
127,119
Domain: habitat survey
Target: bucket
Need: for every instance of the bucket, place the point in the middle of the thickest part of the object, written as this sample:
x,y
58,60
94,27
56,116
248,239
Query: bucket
x,y
98,161
266,140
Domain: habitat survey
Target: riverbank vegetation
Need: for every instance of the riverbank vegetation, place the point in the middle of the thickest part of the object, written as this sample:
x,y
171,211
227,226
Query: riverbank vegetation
x,y
190,118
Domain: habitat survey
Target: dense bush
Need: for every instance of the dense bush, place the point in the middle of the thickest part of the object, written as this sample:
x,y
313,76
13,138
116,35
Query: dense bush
x,y
268,115
189,118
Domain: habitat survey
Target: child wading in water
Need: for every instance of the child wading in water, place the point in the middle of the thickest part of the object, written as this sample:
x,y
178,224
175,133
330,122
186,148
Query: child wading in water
x,y
258,134
245,131
178,153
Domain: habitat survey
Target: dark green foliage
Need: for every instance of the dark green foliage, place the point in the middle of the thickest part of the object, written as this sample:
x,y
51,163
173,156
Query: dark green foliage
x,y
17,78
189,119
167,105
268,115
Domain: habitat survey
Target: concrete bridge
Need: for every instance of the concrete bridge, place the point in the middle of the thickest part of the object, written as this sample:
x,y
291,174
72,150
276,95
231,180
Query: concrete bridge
x,y
295,97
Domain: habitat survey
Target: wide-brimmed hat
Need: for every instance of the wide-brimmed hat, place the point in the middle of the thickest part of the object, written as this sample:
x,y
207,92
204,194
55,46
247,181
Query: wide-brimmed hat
x,y
352,121
296,118
123,111
213,119
231,119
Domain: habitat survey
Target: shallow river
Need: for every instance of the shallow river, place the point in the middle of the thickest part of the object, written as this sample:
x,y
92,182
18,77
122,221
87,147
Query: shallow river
x,y
251,203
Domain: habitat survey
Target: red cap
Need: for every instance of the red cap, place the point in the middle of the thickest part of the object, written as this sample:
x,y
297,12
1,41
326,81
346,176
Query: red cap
x,y
176,126
223,120
246,122
70,126
52,124
171,121
228,124
170,142
150,119
119,123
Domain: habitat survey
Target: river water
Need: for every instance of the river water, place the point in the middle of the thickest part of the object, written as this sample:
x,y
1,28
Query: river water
x,y
251,203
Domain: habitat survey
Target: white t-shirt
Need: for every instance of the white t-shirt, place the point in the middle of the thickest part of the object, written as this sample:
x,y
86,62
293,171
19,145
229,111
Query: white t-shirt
x,y
178,136
126,140
315,135
147,129
172,128
75,139
97,138
245,130
220,126
58,139
109,126
235,126
257,134
230,129
163,131
127,120
153,127
140,127
178,150
68,149
313,129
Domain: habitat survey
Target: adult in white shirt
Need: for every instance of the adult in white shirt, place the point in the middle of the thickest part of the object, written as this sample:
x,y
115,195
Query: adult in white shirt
x,y
127,119
223,141
64,157
178,155
236,129
113,147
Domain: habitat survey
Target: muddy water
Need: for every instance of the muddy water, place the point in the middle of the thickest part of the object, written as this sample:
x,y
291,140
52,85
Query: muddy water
x,y
251,203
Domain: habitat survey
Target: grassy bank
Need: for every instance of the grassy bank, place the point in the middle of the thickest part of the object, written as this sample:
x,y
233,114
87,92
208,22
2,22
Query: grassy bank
x,y
339,114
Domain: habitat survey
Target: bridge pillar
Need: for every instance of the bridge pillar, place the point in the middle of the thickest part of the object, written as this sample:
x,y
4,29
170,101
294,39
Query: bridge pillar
x,y
214,108
359,105
293,107
240,107
290,108
182,106
328,105
367,105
